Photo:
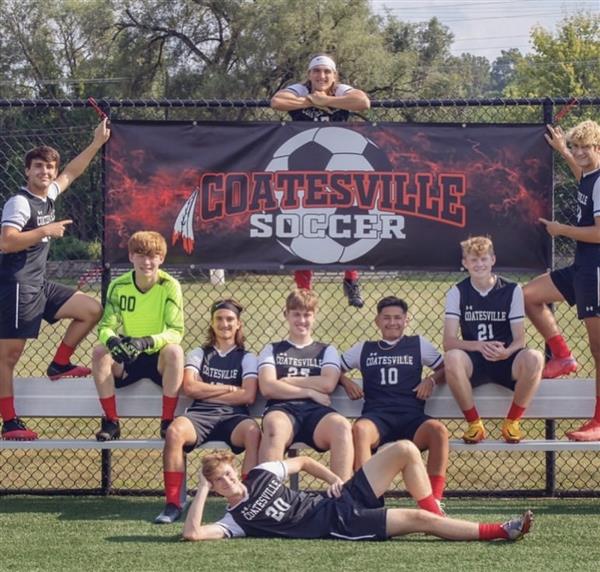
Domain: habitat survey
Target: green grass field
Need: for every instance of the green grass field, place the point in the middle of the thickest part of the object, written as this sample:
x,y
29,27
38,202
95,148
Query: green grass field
x,y
87,533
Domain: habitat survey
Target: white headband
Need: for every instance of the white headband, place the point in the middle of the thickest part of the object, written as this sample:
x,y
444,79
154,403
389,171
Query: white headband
x,y
322,61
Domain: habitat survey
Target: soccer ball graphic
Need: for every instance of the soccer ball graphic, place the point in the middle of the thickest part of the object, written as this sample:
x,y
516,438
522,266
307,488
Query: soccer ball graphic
x,y
328,149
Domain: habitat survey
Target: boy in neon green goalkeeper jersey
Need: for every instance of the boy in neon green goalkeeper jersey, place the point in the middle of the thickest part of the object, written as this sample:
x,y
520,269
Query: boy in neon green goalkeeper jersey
x,y
141,331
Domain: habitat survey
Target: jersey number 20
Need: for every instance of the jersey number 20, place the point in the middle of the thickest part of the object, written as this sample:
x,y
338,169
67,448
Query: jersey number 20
x,y
277,510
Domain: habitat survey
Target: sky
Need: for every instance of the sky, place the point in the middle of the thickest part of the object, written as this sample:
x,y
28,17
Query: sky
x,y
485,27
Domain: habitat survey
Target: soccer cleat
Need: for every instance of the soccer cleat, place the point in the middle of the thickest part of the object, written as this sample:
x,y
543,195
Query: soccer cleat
x,y
15,430
352,292
517,528
164,425
170,514
56,371
589,431
109,430
511,431
556,367
475,432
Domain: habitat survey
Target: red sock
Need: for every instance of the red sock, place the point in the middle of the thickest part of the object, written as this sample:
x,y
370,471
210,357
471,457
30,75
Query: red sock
x,y
429,504
169,404
596,410
515,412
63,354
438,482
471,415
491,532
558,346
303,279
109,406
7,408
351,275
173,483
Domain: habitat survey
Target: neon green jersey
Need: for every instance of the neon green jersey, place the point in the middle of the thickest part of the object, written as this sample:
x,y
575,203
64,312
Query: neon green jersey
x,y
157,313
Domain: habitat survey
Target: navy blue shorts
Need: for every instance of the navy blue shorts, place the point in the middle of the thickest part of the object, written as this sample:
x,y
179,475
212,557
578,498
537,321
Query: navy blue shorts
x,y
305,416
579,285
214,427
499,372
394,424
358,514
144,366
24,306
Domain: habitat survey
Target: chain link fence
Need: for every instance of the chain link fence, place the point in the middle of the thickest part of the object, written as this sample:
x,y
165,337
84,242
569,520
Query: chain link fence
x,y
76,259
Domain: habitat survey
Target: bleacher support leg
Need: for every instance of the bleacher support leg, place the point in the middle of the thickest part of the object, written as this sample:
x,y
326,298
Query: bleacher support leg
x,y
550,460
106,474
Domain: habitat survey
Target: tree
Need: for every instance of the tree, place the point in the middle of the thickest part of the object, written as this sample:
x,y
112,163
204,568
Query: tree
x,y
562,65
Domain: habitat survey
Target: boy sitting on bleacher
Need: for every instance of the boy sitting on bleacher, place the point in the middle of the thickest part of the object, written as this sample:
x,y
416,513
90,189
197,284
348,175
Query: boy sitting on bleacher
x,y
140,331
490,313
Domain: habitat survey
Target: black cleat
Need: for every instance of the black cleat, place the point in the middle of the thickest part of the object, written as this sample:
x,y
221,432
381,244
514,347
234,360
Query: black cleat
x,y
164,425
169,515
15,430
109,430
352,292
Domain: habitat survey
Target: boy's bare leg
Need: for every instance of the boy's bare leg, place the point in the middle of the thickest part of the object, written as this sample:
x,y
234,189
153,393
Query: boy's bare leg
x,y
538,293
400,521
84,311
366,437
527,370
400,457
278,432
247,435
170,366
459,369
334,432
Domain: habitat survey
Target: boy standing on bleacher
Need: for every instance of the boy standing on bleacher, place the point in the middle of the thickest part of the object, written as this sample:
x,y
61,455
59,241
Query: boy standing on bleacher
x,y
26,296
141,331
579,283
490,313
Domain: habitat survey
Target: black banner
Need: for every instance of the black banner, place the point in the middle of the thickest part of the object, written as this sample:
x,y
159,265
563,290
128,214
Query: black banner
x,y
268,195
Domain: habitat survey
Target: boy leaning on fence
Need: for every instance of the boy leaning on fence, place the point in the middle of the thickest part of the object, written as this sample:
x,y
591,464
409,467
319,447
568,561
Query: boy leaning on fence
x,y
26,296
141,331
578,283
489,312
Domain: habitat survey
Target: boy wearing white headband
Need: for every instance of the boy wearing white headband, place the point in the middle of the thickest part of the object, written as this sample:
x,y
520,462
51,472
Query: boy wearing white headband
x,y
323,99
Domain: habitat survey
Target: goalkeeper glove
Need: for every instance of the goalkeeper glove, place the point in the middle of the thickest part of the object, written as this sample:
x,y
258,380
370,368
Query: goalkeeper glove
x,y
139,344
117,350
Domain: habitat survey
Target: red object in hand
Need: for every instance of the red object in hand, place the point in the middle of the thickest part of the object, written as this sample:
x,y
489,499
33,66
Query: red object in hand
x,y
566,109
97,108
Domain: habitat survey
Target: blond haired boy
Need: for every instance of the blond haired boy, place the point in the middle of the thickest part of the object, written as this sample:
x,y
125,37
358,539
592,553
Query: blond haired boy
x,y
489,312
578,283
141,331
297,375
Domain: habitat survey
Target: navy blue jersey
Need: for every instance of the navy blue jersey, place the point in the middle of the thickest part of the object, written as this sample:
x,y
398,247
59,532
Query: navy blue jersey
x,y
229,368
391,371
588,207
26,211
272,509
486,316
290,360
